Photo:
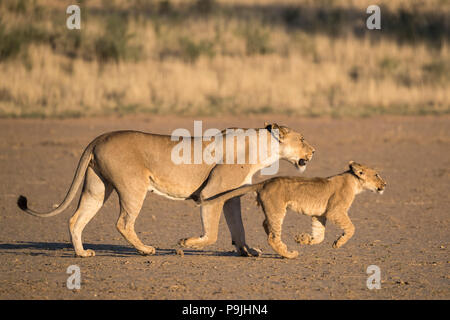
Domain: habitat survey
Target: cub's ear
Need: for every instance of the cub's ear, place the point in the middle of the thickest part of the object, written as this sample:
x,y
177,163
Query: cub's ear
x,y
356,168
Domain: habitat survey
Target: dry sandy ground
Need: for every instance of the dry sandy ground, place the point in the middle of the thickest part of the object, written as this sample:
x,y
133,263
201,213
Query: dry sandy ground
x,y
405,231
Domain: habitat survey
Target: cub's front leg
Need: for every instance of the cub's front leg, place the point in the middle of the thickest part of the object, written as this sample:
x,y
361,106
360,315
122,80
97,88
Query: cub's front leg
x,y
317,234
344,222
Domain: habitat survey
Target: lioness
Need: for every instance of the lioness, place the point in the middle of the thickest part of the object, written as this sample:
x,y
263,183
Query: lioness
x,y
322,198
133,163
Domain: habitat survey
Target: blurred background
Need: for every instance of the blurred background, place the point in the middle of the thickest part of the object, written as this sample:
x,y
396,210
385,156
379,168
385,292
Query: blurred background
x,y
380,97
211,57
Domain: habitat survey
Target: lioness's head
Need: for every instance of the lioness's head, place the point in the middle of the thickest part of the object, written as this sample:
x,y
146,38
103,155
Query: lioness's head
x,y
293,146
370,179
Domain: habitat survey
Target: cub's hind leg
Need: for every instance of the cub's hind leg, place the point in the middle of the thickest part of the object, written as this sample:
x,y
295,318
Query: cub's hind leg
x,y
318,232
95,193
272,225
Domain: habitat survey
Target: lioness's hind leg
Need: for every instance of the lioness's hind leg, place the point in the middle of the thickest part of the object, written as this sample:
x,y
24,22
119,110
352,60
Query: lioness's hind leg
x,y
272,226
317,235
95,193
130,205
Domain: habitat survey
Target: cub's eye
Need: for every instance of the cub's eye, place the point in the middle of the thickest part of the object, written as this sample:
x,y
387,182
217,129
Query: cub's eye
x,y
377,175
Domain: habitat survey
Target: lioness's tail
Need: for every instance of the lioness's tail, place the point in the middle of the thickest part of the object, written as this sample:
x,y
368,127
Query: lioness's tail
x,y
222,197
76,182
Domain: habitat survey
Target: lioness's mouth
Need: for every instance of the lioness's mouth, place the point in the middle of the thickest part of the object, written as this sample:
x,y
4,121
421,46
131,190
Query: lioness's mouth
x,y
380,190
301,164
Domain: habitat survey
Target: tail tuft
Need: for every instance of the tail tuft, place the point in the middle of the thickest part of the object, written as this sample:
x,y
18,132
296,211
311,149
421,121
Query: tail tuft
x,y
22,202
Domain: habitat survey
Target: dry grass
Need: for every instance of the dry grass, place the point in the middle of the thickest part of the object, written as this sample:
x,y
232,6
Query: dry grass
x,y
218,62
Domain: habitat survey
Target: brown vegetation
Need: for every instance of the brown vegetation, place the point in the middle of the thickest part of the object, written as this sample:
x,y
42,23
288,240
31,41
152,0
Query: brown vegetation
x,y
224,57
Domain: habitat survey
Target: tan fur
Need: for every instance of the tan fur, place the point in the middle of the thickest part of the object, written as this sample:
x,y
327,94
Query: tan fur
x,y
321,198
133,163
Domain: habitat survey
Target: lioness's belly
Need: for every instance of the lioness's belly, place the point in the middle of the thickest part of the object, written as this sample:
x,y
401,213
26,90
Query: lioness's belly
x,y
154,189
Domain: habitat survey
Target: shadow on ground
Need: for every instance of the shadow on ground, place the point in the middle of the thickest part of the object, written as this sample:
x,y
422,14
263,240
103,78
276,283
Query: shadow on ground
x,y
47,248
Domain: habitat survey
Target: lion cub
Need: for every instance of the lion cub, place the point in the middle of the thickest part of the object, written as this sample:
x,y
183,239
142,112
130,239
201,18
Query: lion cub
x,y
321,198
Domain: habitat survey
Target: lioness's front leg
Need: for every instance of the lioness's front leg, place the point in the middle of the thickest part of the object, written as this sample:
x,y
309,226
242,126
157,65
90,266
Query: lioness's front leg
x,y
344,222
210,214
224,177
317,234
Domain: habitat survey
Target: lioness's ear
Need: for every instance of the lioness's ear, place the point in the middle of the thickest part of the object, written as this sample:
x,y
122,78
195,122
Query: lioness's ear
x,y
268,126
282,131
356,168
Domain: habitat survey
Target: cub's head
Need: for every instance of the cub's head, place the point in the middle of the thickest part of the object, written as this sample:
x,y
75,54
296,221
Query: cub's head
x,y
370,179
292,146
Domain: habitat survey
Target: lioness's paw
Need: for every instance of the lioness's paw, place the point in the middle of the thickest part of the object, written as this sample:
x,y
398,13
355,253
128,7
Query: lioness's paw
x,y
303,238
147,251
246,251
188,243
291,254
86,253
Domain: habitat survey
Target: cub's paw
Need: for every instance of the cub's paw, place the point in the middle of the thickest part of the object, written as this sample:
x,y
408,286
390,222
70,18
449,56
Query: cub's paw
x,y
303,238
182,242
337,244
